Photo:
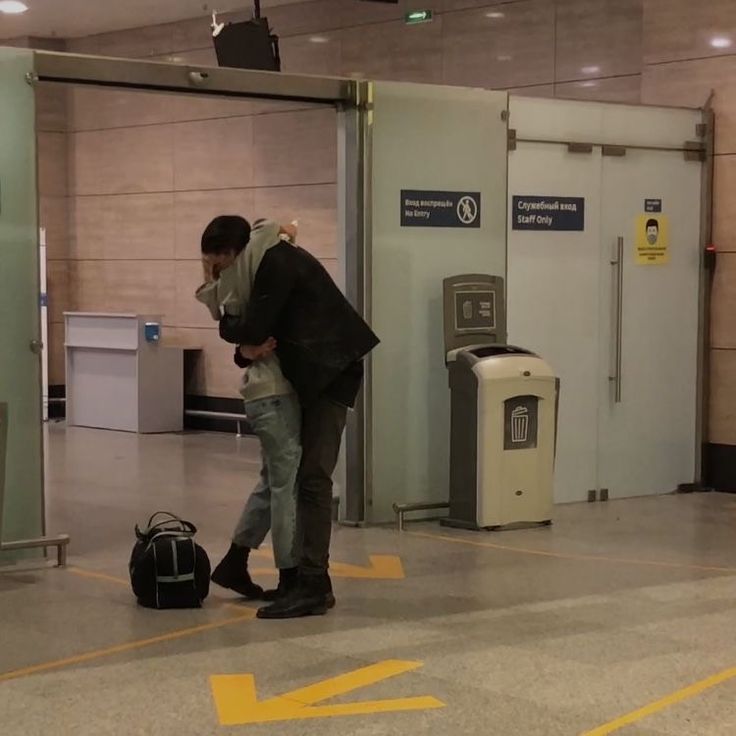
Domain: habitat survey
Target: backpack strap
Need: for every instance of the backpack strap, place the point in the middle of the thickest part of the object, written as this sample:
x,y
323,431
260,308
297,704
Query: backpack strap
x,y
178,576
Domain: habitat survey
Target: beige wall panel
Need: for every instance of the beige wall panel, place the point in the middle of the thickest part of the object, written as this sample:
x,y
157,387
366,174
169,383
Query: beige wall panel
x,y
136,227
295,148
723,397
194,211
124,161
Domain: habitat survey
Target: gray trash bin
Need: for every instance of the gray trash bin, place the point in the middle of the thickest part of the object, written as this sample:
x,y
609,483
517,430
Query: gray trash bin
x,y
503,413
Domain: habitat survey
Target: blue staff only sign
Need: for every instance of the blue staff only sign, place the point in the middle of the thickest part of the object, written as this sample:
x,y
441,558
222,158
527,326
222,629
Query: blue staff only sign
x,y
548,213
420,208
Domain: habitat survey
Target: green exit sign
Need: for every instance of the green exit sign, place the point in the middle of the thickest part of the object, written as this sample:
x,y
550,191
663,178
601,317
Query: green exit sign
x,y
418,16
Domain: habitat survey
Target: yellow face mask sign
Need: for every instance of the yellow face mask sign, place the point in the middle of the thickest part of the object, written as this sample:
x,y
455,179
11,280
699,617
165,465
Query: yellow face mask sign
x,y
652,239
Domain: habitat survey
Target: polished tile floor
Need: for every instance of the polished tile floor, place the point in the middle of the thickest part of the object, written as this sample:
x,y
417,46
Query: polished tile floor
x,y
594,626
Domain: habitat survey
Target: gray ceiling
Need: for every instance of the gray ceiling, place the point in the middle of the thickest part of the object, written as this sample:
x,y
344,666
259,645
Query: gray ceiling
x,y
71,18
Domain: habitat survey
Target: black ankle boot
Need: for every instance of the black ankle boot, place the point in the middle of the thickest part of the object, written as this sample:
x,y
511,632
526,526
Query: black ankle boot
x,y
288,579
232,573
312,596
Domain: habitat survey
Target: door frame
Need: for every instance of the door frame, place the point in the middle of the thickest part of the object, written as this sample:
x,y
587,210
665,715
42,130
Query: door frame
x,y
706,287
100,71
351,100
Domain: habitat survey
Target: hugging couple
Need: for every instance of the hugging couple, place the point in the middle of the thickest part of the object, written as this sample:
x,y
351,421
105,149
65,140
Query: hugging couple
x,y
301,344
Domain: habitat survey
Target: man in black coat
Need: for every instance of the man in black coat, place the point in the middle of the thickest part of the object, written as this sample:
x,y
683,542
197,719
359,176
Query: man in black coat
x,y
296,309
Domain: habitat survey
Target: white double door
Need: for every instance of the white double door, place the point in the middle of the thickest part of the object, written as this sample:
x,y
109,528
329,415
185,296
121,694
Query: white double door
x,y
622,336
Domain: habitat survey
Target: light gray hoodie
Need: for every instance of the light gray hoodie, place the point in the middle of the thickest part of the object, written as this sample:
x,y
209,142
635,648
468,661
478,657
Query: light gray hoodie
x,y
231,293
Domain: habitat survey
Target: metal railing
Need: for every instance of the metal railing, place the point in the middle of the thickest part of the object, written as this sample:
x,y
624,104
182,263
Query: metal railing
x,y
401,509
226,415
61,541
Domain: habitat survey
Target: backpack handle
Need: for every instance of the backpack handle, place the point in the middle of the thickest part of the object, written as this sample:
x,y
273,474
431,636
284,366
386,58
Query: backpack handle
x,y
171,517
177,523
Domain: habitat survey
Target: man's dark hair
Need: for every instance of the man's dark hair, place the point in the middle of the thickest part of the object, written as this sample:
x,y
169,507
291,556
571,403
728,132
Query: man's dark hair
x,y
652,223
226,233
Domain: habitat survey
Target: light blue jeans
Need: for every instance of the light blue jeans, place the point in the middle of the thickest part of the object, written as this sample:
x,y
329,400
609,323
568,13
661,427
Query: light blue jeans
x,y
276,421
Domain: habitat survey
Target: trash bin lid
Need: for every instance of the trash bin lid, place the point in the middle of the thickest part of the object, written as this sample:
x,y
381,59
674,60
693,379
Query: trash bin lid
x,y
497,351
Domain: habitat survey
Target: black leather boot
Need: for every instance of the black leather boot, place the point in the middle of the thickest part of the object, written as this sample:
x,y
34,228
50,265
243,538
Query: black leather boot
x,y
232,573
288,579
312,596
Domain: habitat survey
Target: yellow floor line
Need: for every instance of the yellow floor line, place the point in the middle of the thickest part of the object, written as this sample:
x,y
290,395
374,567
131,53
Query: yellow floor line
x,y
572,555
658,705
97,576
120,648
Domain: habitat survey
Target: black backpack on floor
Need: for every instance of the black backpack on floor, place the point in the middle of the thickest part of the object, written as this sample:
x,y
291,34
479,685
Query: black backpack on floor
x,y
168,569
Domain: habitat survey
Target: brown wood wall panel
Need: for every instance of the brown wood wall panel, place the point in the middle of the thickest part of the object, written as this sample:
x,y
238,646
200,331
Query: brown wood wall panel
x,y
214,154
59,289
598,38
194,211
295,148
52,108
52,164
724,205
723,397
509,51
188,311
615,89
315,208
684,29
131,287
723,311
57,360
690,83
216,374
54,217
122,161
137,227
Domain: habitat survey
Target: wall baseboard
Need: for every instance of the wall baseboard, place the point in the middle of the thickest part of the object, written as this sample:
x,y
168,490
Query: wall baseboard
x,y
721,467
57,411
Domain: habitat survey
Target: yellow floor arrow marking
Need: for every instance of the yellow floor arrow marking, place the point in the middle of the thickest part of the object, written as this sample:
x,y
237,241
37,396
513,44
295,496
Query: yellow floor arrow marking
x,y
237,703
382,567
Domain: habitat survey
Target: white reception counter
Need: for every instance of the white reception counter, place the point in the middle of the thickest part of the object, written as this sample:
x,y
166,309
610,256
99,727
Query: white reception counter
x,y
116,379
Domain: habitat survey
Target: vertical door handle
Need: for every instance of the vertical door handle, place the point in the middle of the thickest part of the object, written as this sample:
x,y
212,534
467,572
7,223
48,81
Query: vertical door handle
x,y
617,262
